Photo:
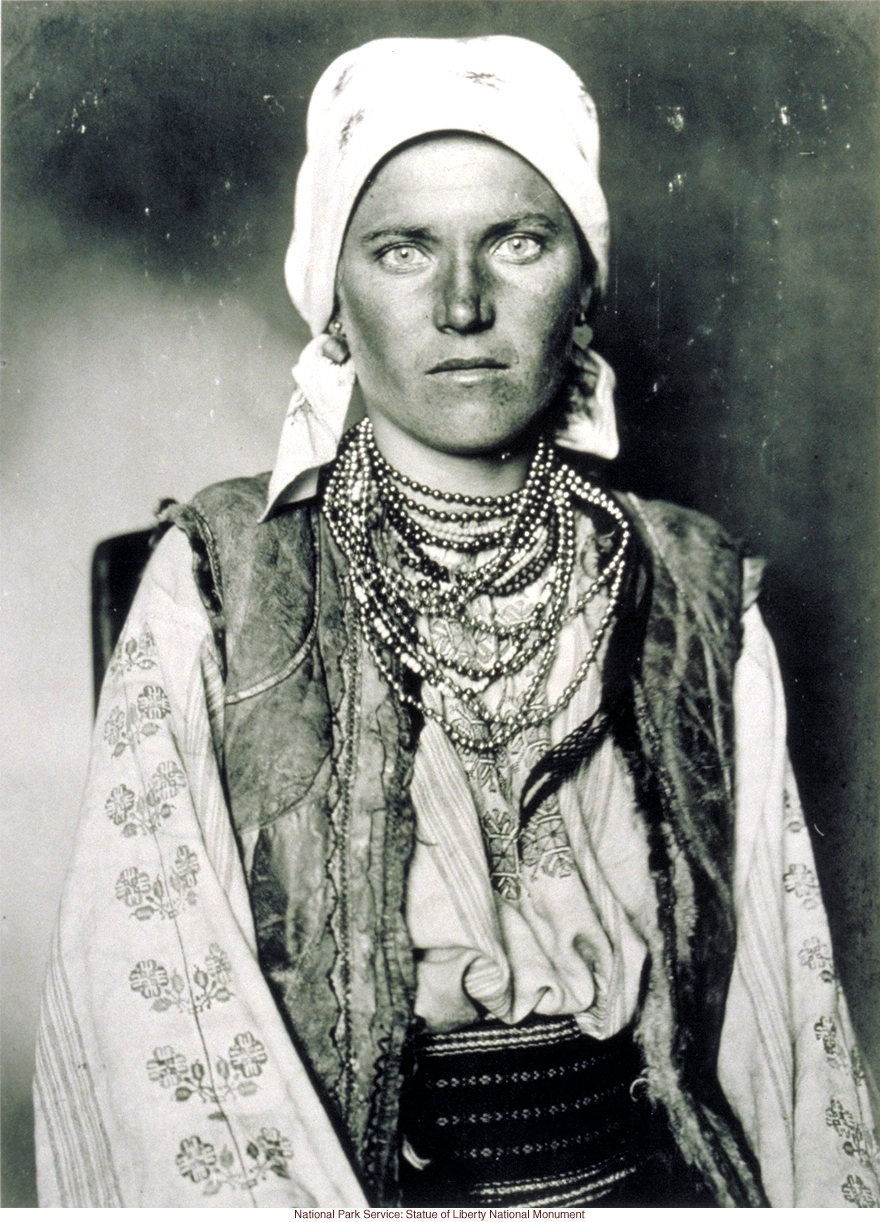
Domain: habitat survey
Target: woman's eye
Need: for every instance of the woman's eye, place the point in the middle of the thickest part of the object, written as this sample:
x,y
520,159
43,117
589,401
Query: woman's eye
x,y
403,258
519,248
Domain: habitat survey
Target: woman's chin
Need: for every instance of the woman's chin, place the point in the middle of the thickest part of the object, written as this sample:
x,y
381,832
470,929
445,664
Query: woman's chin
x,y
468,430
490,441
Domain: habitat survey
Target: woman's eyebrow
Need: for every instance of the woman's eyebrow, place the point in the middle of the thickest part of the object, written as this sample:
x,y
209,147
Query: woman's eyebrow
x,y
415,233
511,224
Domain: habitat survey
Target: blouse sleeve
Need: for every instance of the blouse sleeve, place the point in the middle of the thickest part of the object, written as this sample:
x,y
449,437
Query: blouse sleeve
x,y
788,1061
165,1076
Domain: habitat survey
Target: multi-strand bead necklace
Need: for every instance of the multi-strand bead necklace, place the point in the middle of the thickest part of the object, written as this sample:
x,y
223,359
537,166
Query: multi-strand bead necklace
x,y
421,557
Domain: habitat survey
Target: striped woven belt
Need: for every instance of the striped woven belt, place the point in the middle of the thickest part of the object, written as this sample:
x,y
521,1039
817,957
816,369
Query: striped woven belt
x,y
537,1114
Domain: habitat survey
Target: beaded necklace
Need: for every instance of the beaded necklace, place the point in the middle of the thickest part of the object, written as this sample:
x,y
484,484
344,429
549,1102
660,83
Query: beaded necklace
x,y
415,553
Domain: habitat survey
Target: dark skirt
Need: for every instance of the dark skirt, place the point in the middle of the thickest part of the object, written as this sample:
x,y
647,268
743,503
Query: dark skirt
x,y
536,1115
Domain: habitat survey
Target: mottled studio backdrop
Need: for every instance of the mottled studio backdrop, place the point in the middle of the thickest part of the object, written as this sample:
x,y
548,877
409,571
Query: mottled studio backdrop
x,y
150,152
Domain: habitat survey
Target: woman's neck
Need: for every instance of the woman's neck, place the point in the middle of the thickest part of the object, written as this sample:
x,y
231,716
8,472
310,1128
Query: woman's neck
x,y
472,475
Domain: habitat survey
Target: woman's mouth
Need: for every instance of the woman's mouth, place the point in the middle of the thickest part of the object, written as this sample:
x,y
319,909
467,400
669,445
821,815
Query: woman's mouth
x,y
468,370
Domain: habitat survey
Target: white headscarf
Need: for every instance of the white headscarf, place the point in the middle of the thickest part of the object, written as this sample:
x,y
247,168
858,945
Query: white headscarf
x,y
369,102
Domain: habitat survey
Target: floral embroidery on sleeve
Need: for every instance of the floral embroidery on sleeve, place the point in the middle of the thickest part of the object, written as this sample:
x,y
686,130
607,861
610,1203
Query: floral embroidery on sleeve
x,y
167,898
137,653
152,980
167,1066
794,821
816,956
268,1154
858,1141
247,1055
141,720
857,1192
856,1067
232,1076
144,813
825,1031
836,1052
800,880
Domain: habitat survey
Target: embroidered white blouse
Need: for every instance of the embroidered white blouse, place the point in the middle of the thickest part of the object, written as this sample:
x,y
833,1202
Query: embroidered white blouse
x,y
165,1074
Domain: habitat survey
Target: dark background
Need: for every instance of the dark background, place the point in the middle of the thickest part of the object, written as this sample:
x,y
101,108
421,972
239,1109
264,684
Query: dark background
x,y
158,143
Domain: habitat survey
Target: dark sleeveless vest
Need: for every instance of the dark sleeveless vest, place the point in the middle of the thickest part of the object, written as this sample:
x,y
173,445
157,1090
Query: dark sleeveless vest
x,y
317,763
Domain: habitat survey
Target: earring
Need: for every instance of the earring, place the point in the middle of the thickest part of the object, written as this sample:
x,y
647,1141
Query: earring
x,y
583,339
336,347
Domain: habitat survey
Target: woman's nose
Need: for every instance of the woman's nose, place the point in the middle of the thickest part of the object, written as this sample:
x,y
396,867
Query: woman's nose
x,y
465,299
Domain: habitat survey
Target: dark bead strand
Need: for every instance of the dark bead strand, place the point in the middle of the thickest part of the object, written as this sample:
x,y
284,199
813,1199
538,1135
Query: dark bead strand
x,y
526,503
506,663
535,534
443,609
483,674
499,503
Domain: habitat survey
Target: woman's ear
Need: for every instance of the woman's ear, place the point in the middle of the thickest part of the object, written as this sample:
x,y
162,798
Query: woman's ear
x,y
336,347
588,297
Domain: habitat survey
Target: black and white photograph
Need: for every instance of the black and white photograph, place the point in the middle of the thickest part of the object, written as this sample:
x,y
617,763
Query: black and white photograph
x,y
440,642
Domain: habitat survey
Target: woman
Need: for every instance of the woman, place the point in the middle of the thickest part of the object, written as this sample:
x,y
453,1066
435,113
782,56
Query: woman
x,y
440,843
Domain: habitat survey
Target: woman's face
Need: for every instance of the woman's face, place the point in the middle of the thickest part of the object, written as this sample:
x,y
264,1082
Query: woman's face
x,y
459,284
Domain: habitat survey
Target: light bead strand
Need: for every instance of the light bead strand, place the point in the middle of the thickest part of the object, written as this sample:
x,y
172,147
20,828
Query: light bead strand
x,y
528,534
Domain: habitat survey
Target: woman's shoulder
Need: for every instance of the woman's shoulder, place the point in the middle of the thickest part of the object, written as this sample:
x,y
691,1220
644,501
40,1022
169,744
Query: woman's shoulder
x,y
673,527
226,514
689,535
702,564
694,547
244,559
240,495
